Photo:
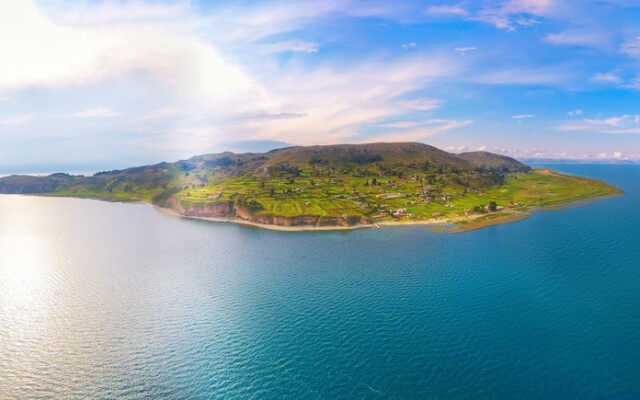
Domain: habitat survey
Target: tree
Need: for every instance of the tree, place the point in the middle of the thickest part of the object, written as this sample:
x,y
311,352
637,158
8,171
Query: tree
x,y
479,209
253,206
374,182
493,207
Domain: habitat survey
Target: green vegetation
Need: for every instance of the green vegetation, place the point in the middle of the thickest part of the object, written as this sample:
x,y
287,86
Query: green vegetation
x,y
315,194
342,185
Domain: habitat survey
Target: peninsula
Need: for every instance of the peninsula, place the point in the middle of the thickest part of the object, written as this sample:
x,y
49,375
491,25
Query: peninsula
x,y
332,187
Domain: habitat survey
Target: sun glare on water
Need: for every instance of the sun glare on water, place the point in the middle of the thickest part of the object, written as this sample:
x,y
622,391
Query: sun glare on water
x,y
23,259
27,253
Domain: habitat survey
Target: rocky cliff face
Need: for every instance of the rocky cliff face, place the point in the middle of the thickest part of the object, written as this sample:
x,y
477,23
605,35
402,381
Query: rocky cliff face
x,y
201,210
228,209
208,210
301,220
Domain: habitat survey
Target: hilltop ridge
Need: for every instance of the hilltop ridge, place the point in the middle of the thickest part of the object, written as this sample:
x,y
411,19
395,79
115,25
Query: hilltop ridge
x,y
382,155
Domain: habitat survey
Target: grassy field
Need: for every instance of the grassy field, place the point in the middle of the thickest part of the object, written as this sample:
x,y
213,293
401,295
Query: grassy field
x,y
407,198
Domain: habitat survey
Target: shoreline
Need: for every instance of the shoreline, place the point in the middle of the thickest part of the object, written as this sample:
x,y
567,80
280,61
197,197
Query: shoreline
x,y
458,225
440,225
239,221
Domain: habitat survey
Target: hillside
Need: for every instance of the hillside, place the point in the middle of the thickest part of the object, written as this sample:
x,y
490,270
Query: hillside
x,y
486,160
361,154
337,185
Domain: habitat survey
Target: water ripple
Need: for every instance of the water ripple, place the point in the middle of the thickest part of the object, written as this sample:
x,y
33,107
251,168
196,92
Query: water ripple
x,y
103,300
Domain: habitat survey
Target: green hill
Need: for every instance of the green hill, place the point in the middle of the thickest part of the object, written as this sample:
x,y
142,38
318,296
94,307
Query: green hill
x,y
362,154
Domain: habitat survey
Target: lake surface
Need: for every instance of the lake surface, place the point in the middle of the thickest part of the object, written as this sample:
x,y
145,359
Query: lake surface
x,y
108,300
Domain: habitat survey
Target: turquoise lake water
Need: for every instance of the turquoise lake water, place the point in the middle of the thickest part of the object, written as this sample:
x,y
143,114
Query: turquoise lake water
x,y
108,300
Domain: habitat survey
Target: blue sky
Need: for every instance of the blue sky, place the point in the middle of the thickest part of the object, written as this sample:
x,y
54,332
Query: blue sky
x,y
89,85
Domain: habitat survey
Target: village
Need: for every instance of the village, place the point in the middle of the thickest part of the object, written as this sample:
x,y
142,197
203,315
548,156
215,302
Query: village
x,y
367,193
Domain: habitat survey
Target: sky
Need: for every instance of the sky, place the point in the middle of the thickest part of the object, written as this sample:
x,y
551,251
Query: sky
x,y
93,85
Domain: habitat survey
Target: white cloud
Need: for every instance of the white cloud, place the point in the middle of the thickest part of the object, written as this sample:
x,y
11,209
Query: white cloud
x,y
514,13
556,75
609,77
21,119
50,54
482,148
337,102
464,50
623,124
415,131
253,22
439,124
447,10
402,124
613,121
188,77
456,149
98,112
422,104
522,116
536,7
634,83
108,14
410,45
525,21
295,46
524,154
157,114
631,47
505,15
581,37
204,91
574,113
